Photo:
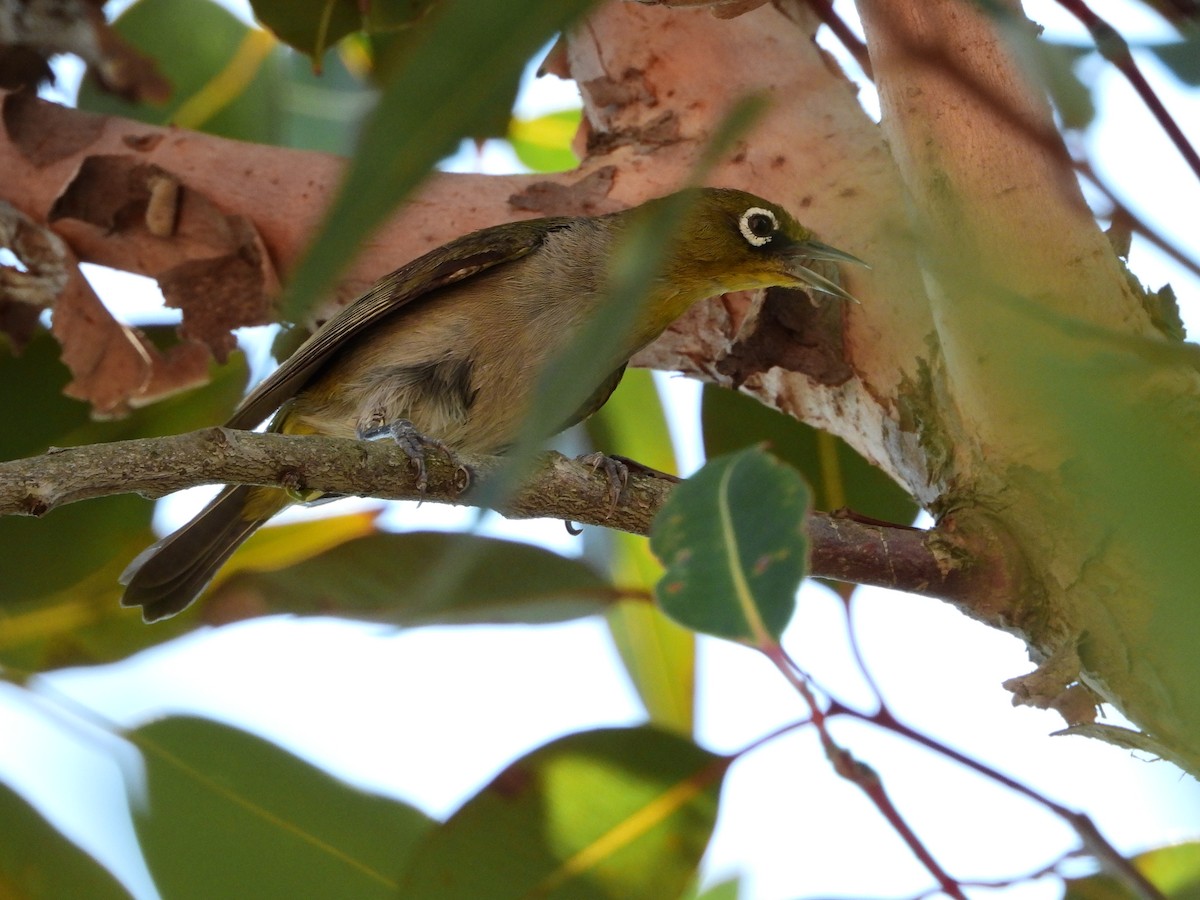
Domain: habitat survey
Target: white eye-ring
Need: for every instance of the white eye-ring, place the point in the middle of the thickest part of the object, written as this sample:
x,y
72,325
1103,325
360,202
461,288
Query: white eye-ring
x,y
758,226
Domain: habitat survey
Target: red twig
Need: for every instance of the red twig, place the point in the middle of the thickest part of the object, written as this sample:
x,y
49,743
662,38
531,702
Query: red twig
x,y
1114,48
859,773
854,46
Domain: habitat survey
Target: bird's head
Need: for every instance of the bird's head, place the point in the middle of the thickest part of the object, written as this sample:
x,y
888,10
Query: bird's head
x,y
730,240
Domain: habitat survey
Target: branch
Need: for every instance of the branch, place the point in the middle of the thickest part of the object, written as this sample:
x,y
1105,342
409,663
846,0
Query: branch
x,y
935,563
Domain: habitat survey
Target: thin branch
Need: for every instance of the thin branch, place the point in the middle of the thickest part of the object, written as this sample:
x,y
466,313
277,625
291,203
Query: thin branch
x,y
1050,140
1093,841
1114,48
948,566
859,773
842,31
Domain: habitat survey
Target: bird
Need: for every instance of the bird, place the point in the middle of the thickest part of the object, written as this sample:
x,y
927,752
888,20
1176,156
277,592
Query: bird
x,y
445,352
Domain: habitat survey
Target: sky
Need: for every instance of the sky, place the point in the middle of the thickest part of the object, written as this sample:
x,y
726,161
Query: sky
x,y
430,715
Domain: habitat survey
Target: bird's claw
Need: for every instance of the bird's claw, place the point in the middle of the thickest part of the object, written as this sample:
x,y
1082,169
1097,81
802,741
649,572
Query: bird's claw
x,y
615,470
414,445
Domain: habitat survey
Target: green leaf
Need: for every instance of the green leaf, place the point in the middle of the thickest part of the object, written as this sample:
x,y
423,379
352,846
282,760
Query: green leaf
x,y
35,563
1182,58
38,863
456,77
1051,62
1119,412
724,890
1175,871
838,475
47,554
224,75
321,112
44,414
311,26
227,814
732,538
659,656
593,816
382,577
1055,63
544,143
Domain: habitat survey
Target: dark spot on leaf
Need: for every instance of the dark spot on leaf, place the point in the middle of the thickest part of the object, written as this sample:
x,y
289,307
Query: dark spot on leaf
x,y
512,782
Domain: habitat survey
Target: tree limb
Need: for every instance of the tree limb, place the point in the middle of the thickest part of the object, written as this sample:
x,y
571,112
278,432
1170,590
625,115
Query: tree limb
x,y
937,563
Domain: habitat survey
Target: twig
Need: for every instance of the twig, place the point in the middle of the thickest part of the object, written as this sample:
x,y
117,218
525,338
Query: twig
x,y
1114,48
944,565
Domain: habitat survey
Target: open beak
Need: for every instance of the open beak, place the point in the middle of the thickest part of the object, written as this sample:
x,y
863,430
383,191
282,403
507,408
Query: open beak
x,y
809,251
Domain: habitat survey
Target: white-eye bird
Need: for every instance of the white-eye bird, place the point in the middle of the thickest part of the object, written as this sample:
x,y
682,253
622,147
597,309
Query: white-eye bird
x,y
446,351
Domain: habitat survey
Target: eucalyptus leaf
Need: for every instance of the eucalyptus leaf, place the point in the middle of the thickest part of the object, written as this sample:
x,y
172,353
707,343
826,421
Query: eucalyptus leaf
x,y
658,654
310,26
196,43
592,816
838,475
379,577
38,863
732,538
228,814
1175,871
458,74
1182,58
544,143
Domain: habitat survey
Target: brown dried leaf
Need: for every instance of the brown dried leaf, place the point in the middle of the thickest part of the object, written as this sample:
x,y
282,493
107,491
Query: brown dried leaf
x,y
23,68
586,197
41,28
45,133
211,266
113,367
42,255
213,293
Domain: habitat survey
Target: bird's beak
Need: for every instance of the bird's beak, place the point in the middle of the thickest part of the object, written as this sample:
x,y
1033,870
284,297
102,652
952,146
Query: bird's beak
x,y
809,251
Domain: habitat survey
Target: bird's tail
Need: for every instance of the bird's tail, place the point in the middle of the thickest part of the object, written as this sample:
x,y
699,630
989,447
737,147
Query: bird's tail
x,y
167,576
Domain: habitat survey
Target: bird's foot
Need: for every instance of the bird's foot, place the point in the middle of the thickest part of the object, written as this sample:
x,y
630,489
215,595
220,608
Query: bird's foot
x,y
415,445
615,469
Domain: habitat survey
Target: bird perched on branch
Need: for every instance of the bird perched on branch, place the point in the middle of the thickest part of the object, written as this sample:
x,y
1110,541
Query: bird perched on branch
x,y
446,351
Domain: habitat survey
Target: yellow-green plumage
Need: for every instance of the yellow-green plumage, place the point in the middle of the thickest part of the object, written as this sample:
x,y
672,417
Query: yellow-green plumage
x,y
454,343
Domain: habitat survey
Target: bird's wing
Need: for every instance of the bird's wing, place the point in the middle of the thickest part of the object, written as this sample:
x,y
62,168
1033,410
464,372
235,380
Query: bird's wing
x,y
456,261
597,399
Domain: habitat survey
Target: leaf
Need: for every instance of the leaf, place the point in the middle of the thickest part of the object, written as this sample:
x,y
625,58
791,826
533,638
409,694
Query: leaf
x,y
1119,413
310,26
1052,63
659,656
732,538
1182,58
383,577
1175,871
223,83
611,813
46,554
38,863
544,143
1055,63
838,475
456,77
34,563
85,625
321,112
729,889
227,814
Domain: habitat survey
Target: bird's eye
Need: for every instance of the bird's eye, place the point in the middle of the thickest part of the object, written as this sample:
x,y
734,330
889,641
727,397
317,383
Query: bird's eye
x,y
758,226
